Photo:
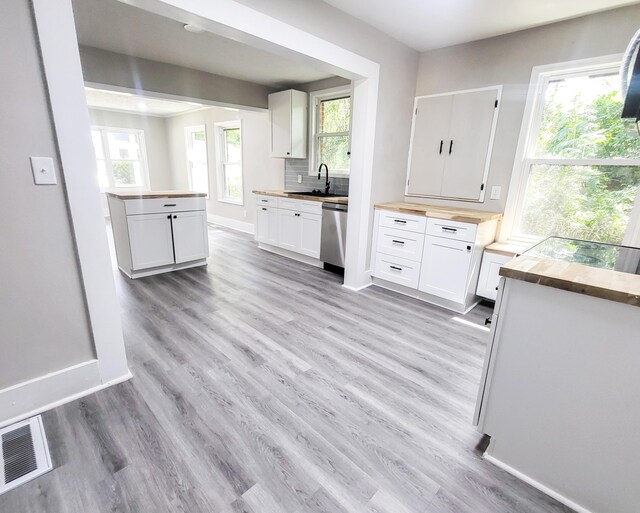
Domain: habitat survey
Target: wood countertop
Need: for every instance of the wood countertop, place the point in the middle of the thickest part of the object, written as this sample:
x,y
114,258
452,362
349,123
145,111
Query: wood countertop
x,y
507,248
124,195
342,200
463,215
592,281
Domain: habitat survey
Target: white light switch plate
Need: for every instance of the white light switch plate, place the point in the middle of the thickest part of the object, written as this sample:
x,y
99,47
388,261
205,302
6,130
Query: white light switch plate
x,y
495,192
299,178
44,172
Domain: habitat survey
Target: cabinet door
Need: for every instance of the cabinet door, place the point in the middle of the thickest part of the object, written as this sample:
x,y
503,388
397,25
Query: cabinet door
x,y
267,225
280,116
311,230
151,241
468,146
428,152
490,274
445,268
190,237
289,229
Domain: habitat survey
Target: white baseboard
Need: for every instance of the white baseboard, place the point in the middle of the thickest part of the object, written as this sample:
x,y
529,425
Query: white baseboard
x,y
544,489
35,396
357,289
291,254
234,224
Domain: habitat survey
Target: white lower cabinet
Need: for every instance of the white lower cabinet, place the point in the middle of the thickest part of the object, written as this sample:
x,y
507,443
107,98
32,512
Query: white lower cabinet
x,y
489,278
267,225
445,268
155,235
432,259
151,240
190,238
293,225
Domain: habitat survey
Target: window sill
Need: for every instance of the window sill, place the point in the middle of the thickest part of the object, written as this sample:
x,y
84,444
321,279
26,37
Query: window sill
x,y
231,202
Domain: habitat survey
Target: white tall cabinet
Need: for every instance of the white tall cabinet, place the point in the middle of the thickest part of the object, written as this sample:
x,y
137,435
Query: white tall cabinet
x,y
288,113
451,142
157,232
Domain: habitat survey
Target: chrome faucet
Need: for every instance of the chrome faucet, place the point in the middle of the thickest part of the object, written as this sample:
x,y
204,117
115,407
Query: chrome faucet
x,y
327,184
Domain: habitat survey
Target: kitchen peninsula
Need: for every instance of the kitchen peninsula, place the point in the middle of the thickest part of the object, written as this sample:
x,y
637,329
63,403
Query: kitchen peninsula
x,y
559,393
158,231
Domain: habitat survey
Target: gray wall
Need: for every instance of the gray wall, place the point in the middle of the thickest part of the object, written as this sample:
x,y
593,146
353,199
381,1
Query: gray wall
x,y
155,138
508,60
260,171
103,67
398,69
295,167
44,320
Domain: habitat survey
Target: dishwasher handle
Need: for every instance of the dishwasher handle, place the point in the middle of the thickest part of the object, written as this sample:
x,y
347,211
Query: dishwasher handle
x,y
335,206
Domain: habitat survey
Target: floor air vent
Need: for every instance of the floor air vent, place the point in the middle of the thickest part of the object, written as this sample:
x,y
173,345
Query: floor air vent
x,y
25,453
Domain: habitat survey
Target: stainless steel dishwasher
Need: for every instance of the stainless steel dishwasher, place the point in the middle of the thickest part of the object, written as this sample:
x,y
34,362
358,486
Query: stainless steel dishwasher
x,y
334,233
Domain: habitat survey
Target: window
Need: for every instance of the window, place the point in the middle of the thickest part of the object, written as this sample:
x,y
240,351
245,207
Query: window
x,y
580,164
121,157
331,123
197,167
230,162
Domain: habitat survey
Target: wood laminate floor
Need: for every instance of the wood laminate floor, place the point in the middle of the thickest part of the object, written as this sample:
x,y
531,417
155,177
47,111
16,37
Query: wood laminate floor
x,y
262,386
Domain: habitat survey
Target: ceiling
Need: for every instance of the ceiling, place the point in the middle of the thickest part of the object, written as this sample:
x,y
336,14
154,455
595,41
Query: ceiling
x,y
137,104
429,24
117,27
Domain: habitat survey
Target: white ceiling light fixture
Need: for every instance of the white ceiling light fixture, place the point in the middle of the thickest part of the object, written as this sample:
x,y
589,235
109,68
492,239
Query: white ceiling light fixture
x,y
194,29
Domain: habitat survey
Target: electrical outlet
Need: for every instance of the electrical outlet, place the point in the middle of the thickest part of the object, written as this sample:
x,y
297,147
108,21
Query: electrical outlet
x,y
299,178
495,192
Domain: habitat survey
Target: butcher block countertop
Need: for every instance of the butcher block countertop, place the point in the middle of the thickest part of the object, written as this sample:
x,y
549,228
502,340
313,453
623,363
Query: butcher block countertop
x,y
124,195
342,200
464,215
507,248
592,281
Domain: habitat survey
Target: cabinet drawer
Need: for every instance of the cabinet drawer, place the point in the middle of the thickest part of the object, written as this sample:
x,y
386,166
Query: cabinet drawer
x,y
267,201
400,221
397,270
400,243
310,207
160,205
452,229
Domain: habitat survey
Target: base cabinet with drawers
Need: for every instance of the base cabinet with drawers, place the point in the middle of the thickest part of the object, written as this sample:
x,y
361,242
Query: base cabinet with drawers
x,y
291,225
432,259
157,235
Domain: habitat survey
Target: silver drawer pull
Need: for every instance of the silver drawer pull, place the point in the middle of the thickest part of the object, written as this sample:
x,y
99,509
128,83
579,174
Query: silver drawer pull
x,y
447,229
401,221
398,242
395,268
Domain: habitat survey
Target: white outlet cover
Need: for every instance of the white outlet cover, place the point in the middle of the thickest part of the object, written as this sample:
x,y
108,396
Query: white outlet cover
x,y
495,192
299,178
44,171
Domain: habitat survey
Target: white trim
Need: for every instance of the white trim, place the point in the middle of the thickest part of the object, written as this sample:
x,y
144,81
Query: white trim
x,y
219,129
46,392
146,185
70,116
492,137
291,254
314,99
536,484
188,130
246,25
530,119
234,224
357,289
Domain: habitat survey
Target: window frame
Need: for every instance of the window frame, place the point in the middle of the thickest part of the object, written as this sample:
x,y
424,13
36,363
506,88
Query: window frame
x,y
220,128
315,99
108,161
525,158
188,130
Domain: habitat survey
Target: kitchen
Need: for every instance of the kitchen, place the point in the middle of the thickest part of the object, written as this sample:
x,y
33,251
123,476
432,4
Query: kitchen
x,y
364,384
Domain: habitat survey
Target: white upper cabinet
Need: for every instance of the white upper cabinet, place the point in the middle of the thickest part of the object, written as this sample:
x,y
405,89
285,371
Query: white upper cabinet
x,y
288,117
451,143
